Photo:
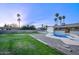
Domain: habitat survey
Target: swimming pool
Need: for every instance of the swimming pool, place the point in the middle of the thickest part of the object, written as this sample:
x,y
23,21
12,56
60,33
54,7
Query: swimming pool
x,y
61,34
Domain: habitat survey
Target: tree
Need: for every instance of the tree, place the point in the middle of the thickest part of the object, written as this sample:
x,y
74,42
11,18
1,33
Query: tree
x,y
23,27
19,21
45,27
60,18
5,25
28,27
42,25
55,21
63,17
32,27
18,15
57,14
13,25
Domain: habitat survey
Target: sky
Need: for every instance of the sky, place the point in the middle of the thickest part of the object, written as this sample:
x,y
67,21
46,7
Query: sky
x,y
38,13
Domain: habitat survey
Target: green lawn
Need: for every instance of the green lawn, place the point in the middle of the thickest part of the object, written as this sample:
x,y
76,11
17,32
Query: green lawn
x,y
23,44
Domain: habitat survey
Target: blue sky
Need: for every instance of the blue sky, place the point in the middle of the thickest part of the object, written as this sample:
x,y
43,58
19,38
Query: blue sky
x,y
38,13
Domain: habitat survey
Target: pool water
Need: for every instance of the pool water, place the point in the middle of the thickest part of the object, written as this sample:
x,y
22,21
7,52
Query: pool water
x,y
64,35
61,34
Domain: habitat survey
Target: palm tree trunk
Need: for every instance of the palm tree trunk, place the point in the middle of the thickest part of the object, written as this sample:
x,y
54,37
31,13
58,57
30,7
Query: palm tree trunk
x,y
19,24
60,22
63,20
56,22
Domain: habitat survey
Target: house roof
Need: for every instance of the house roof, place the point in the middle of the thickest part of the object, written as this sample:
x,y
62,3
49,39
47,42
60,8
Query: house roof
x,y
68,25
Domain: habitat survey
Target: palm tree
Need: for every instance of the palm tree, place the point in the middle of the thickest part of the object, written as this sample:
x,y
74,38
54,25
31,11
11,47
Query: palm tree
x,y
18,15
63,17
57,14
42,25
19,21
55,21
60,18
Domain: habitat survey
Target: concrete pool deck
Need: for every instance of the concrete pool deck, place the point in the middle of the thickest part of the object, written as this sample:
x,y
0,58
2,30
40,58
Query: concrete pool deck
x,y
70,41
58,44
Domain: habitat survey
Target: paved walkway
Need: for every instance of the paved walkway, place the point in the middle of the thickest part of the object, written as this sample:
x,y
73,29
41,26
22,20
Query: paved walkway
x,y
58,44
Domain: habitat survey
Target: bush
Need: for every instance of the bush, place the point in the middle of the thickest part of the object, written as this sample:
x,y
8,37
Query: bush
x,y
32,27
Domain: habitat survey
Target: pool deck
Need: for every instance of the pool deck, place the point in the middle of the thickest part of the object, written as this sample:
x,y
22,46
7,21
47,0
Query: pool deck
x,y
68,41
58,44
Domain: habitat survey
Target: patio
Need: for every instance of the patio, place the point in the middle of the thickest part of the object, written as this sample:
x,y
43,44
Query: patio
x,y
58,44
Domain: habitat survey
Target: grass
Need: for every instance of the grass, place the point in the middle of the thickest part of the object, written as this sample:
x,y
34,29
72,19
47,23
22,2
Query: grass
x,y
23,44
